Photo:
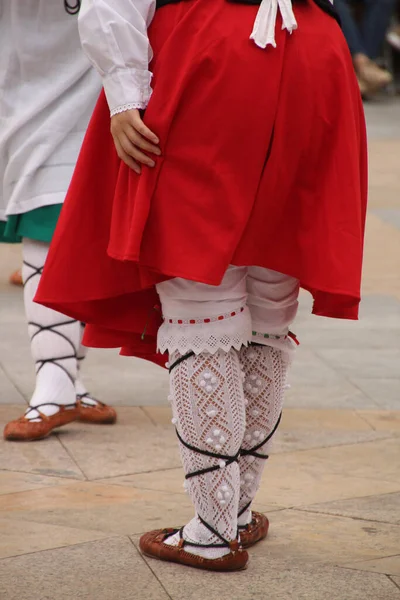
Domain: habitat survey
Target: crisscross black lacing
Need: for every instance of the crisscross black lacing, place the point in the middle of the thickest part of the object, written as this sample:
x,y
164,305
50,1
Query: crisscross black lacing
x,y
36,271
225,460
253,451
51,328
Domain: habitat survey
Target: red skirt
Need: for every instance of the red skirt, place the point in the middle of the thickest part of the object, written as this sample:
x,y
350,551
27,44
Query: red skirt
x,y
263,163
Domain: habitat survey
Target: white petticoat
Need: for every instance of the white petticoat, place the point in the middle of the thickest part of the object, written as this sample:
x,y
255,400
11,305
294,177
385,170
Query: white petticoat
x,y
220,332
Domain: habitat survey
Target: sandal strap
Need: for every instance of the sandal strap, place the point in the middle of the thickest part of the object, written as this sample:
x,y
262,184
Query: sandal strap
x,y
44,417
80,398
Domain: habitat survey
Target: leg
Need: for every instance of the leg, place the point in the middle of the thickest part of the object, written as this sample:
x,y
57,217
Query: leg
x,y
350,28
273,304
54,346
364,47
203,328
376,22
56,349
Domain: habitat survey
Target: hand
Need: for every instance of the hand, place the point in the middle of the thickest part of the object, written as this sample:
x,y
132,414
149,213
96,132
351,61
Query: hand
x,y
132,139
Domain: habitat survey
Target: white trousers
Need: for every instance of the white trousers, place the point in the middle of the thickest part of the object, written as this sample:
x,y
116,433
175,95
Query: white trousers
x,y
251,304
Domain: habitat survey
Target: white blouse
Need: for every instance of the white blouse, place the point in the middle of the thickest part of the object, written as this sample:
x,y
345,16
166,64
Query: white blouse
x,y
114,37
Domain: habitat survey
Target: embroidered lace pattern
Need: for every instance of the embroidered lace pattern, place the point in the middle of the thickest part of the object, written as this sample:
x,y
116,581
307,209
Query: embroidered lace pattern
x,y
125,107
265,371
218,332
209,414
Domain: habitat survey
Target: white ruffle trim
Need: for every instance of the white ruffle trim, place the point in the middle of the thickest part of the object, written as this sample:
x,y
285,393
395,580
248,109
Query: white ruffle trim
x,y
125,107
283,342
220,334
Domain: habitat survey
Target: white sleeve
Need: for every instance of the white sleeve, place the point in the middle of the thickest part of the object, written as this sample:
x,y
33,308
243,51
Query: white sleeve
x,y
114,37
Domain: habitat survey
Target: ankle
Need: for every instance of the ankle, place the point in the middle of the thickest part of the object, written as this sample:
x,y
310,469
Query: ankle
x,y
245,518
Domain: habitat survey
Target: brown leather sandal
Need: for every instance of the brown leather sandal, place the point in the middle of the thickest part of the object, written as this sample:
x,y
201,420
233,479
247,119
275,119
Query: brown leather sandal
x,y
25,430
152,545
99,414
255,531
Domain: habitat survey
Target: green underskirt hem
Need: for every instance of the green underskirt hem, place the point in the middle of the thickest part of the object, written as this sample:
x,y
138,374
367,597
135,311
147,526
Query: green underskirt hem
x,y
38,224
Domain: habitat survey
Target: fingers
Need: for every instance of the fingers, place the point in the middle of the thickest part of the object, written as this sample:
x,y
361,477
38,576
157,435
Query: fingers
x,y
133,139
139,141
134,151
141,128
128,160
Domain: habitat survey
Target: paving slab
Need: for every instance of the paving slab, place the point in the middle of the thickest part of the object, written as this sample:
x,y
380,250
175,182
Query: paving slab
x,y
99,570
364,363
122,381
385,393
12,482
310,369
396,581
375,460
323,538
383,124
383,420
133,445
384,508
343,394
22,537
8,392
275,578
382,258
46,457
99,507
328,474
390,565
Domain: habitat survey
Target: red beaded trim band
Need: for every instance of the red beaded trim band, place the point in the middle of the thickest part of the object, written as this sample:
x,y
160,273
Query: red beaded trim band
x,y
202,321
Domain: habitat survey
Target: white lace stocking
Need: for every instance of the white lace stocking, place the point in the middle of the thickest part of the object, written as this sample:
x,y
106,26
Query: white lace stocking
x,y
265,371
209,414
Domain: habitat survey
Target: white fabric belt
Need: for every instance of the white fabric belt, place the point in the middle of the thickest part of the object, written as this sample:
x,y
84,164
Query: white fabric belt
x,y
264,27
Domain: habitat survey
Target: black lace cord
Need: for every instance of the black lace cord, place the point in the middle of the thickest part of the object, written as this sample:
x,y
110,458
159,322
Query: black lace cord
x,y
226,458
54,361
241,512
51,328
72,9
36,271
224,543
253,451
228,461
180,360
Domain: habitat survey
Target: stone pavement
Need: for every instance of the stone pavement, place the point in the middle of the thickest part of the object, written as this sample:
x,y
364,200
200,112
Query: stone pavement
x,y
72,506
